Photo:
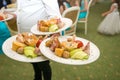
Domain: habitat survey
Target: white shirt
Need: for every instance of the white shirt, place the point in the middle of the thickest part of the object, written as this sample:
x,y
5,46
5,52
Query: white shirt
x,y
30,11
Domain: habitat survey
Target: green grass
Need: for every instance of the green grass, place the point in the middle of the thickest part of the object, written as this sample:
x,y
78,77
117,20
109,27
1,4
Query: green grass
x,y
107,67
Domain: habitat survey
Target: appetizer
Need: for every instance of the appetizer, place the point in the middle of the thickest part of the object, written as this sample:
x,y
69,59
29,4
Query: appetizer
x,y
50,25
70,48
27,44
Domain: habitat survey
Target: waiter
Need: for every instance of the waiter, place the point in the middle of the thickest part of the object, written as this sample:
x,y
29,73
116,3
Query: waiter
x,y
28,14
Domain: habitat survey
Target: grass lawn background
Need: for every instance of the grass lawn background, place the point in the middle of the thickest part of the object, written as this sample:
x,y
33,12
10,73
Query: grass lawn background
x,y
107,67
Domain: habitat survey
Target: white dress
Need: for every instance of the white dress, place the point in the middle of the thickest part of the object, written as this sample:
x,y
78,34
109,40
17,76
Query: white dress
x,y
111,24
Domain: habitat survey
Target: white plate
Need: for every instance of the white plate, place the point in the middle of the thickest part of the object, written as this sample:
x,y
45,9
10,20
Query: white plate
x,y
68,23
7,45
9,16
11,9
94,53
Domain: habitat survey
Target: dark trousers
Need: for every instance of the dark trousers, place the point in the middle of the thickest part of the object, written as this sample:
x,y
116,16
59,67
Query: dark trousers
x,y
42,68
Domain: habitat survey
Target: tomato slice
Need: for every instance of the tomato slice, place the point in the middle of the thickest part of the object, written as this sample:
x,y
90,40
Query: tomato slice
x,y
80,43
1,18
38,43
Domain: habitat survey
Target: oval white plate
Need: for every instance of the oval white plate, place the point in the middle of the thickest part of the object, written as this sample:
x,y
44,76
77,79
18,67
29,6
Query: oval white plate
x,y
7,45
68,23
94,53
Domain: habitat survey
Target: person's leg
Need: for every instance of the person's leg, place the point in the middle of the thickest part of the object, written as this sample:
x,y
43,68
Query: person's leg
x,y
46,69
37,72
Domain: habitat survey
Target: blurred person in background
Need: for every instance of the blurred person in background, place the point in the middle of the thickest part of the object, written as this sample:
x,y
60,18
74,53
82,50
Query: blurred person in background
x,y
4,34
111,24
63,5
83,8
4,31
67,3
74,2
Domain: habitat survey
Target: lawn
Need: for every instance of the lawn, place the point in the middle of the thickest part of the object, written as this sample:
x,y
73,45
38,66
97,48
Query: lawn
x,y
107,67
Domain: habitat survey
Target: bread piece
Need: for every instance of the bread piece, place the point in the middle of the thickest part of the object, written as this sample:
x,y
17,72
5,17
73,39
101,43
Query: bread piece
x,y
16,45
43,29
59,51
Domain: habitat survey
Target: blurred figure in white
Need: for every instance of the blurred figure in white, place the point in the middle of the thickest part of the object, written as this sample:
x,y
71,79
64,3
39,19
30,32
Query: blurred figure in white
x,y
111,24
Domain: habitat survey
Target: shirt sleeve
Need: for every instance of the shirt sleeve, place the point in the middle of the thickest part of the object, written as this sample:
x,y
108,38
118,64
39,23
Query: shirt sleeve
x,y
52,8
